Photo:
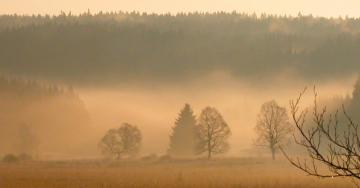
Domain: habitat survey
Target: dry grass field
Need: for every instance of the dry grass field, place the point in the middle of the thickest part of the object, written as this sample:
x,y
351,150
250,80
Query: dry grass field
x,y
234,173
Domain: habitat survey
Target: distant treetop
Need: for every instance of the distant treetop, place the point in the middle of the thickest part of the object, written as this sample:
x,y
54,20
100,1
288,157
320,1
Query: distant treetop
x,y
131,46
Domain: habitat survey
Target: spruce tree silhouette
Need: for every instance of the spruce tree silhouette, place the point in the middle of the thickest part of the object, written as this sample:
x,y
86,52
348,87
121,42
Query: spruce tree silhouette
x,y
183,139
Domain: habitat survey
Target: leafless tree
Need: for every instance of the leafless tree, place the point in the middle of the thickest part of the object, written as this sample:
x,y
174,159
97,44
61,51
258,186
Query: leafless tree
x,y
273,127
28,140
124,141
330,143
213,132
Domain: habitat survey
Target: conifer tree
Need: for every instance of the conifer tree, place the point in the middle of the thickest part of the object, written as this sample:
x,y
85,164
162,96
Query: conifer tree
x,y
183,140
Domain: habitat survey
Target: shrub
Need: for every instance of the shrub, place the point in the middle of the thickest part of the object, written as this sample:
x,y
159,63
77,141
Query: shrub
x,y
150,157
10,158
165,158
24,157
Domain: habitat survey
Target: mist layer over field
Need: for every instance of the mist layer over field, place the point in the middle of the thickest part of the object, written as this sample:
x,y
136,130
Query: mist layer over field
x,y
154,108
69,79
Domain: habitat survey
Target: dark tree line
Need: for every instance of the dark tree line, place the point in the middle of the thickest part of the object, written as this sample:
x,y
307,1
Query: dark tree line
x,y
166,47
29,88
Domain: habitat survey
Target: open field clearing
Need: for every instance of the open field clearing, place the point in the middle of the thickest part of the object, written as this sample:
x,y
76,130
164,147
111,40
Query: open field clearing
x,y
177,94
225,173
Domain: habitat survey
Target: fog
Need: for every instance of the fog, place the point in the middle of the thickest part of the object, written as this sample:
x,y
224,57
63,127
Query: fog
x,y
154,107
69,123
67,80
194,99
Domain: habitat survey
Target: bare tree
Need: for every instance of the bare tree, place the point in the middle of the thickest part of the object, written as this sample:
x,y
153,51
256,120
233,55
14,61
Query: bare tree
x,y
124,141
273,127
213,132
330,144
28,140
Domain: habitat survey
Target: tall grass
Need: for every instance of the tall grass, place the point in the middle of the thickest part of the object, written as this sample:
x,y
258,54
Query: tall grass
x,y
234,173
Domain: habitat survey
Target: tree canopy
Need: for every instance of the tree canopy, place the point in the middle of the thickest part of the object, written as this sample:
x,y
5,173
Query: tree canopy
x,y
213,133
184,137
173,48
122,142
272,127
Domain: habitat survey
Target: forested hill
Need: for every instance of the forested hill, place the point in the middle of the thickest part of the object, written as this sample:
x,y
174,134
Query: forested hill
x,y
122,47
39,118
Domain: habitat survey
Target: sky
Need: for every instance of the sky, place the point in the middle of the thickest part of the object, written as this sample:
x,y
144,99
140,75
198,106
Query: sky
x,y
326,8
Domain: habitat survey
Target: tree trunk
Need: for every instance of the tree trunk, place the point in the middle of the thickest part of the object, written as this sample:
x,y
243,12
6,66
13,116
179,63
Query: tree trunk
x,y
209,143
209,150
118,156
209,154
273,153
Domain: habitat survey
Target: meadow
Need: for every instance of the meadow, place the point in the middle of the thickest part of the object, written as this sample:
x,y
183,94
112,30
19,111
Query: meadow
x,y
233,173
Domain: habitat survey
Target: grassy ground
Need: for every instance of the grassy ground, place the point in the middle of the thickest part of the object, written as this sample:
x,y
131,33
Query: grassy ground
x,y
234,173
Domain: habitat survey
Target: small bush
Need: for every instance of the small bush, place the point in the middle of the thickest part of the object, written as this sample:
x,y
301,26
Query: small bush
x,y
165,158
25,157
10,158
151,157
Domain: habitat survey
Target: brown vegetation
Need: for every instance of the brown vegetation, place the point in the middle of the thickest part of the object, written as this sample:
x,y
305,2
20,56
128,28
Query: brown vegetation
x,y
250,173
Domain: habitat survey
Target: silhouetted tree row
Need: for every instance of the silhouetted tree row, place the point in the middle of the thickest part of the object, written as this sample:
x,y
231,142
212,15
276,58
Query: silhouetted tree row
x,y
299,24
190,137
113,46
28,88
208,133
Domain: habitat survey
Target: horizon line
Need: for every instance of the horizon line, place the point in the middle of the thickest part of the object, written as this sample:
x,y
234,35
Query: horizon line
x,y
256,14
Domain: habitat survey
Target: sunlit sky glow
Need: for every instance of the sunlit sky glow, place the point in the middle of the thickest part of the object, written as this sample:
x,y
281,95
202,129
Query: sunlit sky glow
x,y
326,8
